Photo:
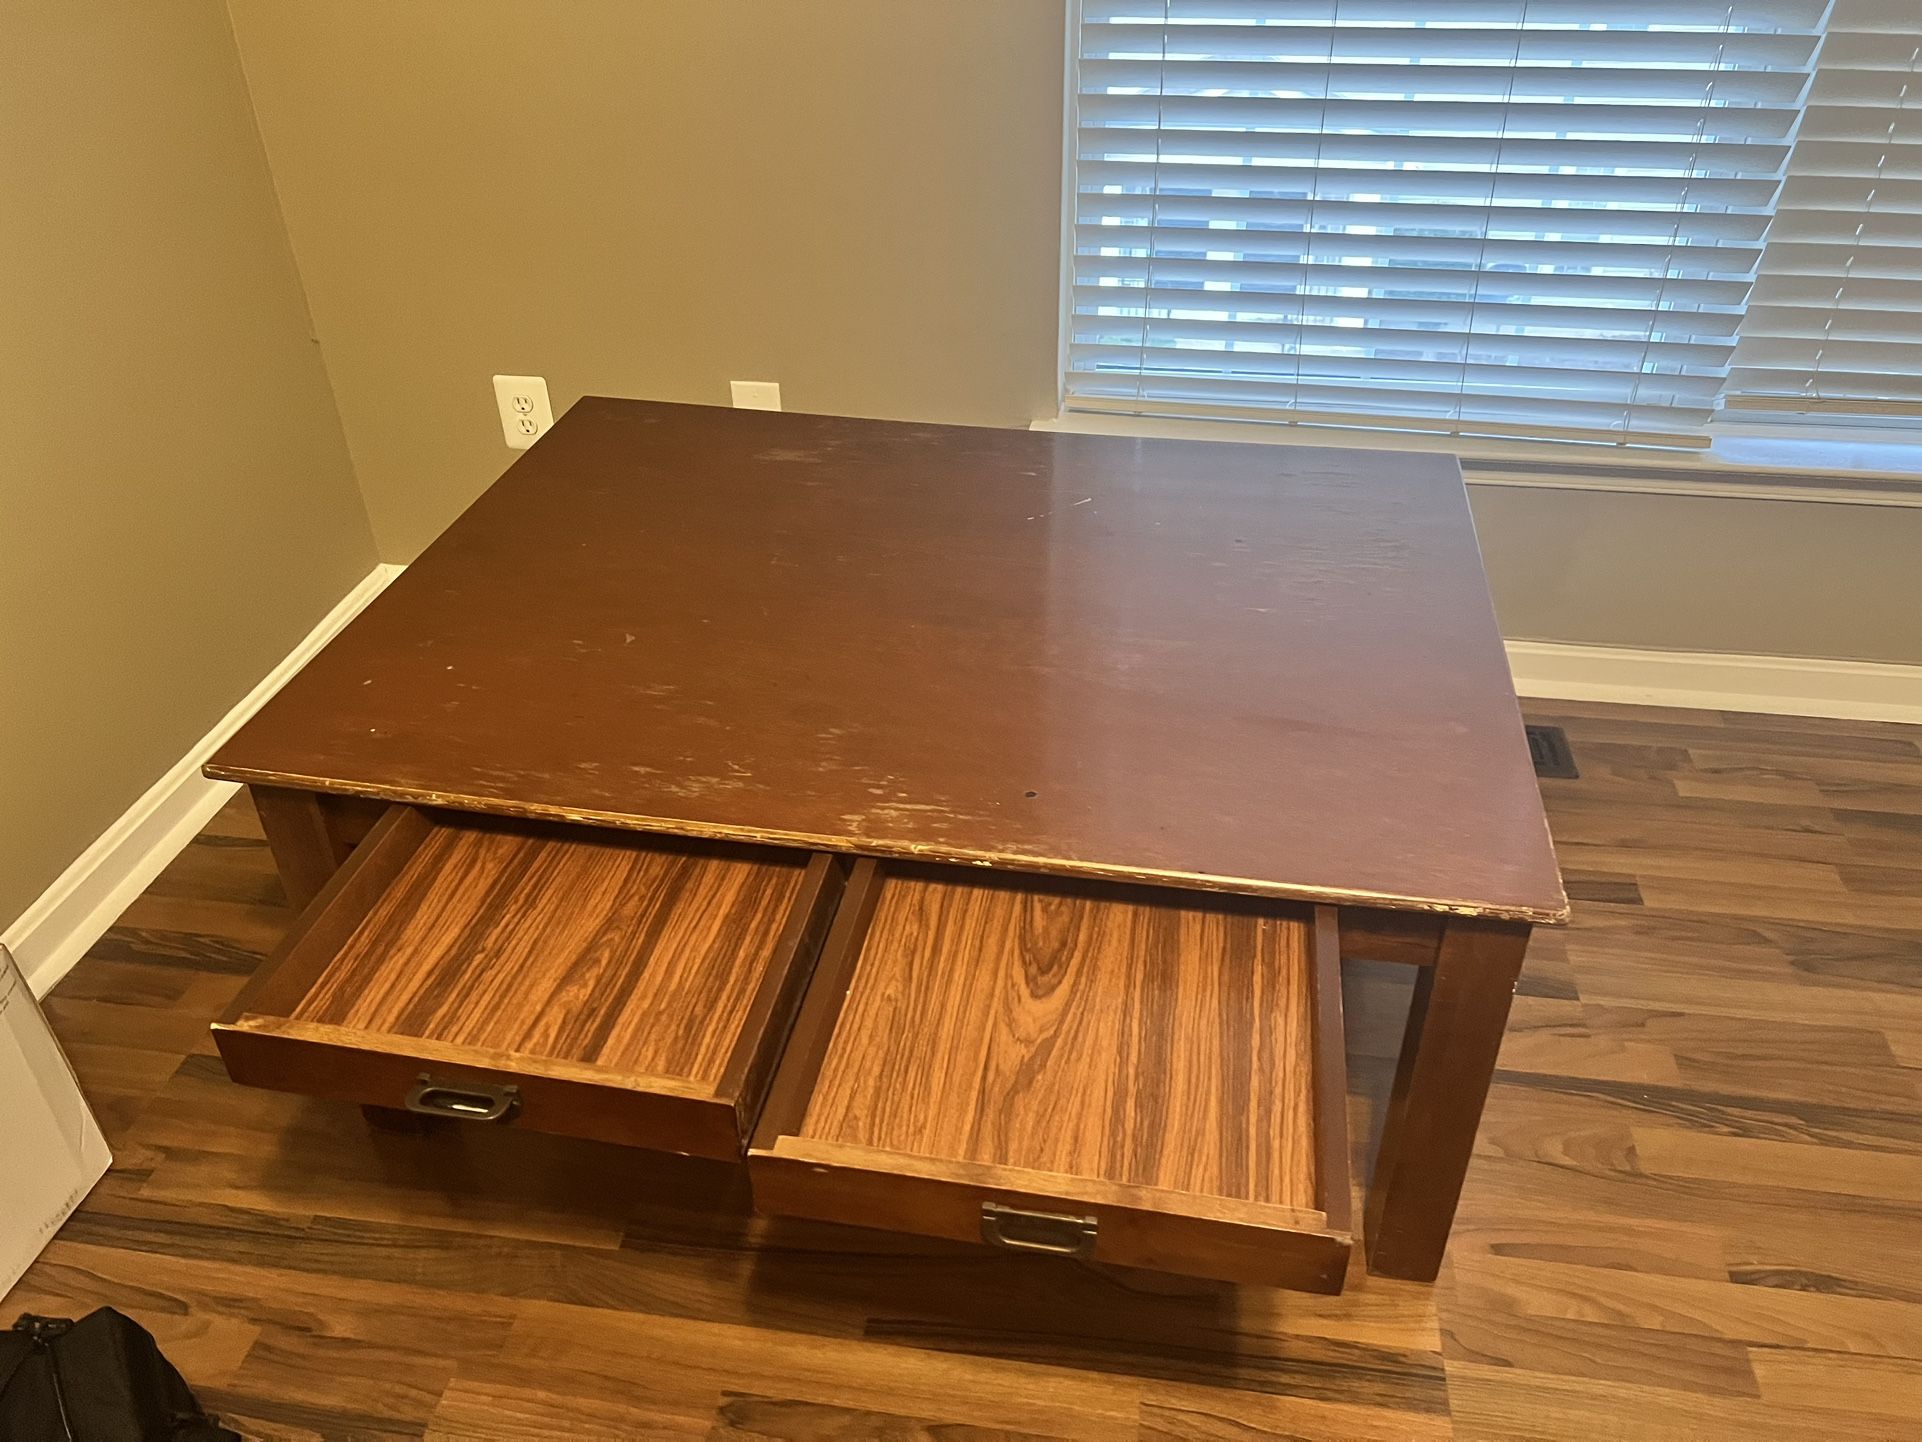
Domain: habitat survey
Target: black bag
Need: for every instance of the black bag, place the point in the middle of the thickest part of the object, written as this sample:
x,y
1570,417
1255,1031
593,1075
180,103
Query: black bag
x,y
101,1379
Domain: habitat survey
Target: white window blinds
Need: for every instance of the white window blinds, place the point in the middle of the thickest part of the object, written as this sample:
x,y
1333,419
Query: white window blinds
x,y
1834,327
1481,217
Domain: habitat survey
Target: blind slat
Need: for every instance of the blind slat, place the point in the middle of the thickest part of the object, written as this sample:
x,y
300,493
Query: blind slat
x,y
1311,114
1177,76
1337,182
1359,250
1484,311
1522,42
1798,15
1468,411
1181,220
1439,282
1171,146
1261,342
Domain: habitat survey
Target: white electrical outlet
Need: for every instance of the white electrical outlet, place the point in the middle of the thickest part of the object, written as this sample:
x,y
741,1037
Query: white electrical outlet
x,y
756,395
525,413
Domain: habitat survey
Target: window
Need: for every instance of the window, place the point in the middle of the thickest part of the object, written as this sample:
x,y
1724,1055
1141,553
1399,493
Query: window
x,y
1513,220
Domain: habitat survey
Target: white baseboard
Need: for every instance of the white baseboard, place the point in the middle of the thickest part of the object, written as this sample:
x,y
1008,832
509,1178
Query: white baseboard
x,y
1712,681
74,912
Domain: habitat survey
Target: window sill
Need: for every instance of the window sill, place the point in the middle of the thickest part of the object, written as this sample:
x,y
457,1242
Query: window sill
x,y
1754,463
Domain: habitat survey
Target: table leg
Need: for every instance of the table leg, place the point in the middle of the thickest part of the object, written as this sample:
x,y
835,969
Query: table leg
x,y
1447,1060
305,851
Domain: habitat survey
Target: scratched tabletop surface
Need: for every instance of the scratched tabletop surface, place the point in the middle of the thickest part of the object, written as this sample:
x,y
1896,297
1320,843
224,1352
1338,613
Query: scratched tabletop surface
x,y
1270,670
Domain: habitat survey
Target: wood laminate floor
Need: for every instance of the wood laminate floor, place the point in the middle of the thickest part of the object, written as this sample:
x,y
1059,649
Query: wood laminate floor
x,y
1696,1210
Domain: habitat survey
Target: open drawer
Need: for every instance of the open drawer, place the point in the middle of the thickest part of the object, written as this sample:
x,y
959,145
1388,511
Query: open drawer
x,y
1122,1073
603,984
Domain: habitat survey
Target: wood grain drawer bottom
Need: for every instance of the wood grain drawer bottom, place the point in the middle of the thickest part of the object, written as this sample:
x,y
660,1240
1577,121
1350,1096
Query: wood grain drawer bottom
x,y
1127,1075
593,983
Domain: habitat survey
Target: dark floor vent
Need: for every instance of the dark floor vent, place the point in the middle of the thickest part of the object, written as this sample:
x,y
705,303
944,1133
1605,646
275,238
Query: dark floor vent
x,y
1548,749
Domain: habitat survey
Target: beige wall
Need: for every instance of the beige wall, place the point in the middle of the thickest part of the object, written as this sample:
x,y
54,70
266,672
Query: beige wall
x,y
176,508
855,198
1705,573
859,199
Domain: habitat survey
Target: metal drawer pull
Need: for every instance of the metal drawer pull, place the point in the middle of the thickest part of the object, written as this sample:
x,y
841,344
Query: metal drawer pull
x,y
1052,1232
472,1101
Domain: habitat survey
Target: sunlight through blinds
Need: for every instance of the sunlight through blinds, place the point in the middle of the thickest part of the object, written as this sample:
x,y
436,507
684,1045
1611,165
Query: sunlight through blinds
x,y
1512,221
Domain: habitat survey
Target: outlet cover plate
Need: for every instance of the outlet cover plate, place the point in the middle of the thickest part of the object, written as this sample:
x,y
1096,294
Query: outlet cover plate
x,y
526,415
756,395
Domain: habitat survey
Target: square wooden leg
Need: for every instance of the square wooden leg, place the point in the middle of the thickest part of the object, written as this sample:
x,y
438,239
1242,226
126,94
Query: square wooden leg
x,y
306,851
1455,1025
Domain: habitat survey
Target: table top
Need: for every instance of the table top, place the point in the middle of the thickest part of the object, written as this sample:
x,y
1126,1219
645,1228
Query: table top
x,y
1271,670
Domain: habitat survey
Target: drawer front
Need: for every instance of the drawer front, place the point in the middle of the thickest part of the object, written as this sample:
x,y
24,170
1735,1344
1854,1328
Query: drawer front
x,y
1119,1074
1045,1214
598,984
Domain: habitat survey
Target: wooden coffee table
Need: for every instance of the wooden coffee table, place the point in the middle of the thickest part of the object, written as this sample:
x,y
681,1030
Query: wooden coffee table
x,y
964,826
